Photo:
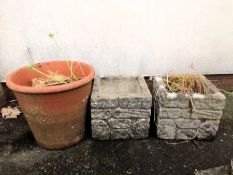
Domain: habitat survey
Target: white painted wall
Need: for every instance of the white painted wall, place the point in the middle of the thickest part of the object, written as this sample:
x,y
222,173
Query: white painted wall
x,y
142,37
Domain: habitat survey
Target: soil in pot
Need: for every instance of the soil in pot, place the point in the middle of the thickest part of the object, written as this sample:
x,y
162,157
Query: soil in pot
x,y
43,82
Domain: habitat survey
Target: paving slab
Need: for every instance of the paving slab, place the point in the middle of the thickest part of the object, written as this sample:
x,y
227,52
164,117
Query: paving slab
x,y
219,170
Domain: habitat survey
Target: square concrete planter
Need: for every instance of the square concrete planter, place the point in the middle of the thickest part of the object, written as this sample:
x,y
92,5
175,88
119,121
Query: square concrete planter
x,y
176,120
120,108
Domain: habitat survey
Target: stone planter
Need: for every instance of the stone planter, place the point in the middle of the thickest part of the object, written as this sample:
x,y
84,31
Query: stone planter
x,y
120,108
176,120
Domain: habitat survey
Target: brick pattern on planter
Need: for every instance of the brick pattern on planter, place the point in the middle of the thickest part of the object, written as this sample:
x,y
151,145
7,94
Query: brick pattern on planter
x,y
176,120
121,112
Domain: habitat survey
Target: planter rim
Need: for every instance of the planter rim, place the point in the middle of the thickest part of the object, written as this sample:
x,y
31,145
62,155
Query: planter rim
x,y
49,89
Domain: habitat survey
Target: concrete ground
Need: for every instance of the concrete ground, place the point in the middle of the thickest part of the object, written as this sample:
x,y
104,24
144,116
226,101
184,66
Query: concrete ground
x,y
150,156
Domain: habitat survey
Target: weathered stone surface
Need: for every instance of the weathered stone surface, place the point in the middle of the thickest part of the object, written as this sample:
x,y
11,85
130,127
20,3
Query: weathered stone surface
x,y
206,114
208,104
130,103
100,130
140,129
196,112
101,103
208,129
132,113
174,103
119,123
99,123
169,113
186,134
146,102
166,129
124,106
221,170
118,134
186,113
187,123
101,113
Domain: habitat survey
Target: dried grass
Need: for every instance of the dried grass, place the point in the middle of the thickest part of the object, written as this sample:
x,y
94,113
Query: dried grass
x,y
10,112
186,83
52,79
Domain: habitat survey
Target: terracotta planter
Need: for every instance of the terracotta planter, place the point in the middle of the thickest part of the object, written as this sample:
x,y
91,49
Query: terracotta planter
x,y
55,114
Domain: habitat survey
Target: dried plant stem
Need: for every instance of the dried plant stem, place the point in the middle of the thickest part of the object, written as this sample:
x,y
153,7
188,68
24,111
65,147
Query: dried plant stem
x,y
81,69
193,106
70,66
53,78
186,83
40,72
67,62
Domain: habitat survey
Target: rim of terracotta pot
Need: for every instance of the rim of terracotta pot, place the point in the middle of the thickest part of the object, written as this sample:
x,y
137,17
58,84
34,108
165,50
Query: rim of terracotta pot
x,y
49,89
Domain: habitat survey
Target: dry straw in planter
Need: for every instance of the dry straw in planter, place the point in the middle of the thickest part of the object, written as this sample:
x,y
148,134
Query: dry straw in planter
x,y
53,78
186,83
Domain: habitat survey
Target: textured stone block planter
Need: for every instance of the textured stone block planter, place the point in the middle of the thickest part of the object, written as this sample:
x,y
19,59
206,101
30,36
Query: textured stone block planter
x,y
176,120
120,108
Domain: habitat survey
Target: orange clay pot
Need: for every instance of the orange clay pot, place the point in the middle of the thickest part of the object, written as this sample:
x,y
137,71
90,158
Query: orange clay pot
x,y
55,114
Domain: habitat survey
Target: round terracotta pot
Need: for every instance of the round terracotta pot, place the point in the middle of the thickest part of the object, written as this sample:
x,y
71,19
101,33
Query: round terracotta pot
x,y
55,114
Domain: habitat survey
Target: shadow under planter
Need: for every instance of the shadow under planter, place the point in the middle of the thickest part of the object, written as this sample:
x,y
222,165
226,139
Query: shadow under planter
x,y
3,97
228,111
176,120
120,108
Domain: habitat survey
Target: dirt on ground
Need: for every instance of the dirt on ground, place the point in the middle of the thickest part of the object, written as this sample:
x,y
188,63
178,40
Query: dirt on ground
x,y
147,157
